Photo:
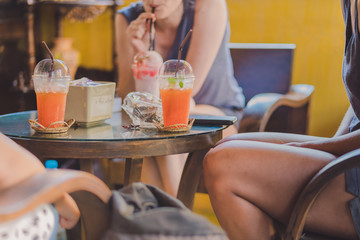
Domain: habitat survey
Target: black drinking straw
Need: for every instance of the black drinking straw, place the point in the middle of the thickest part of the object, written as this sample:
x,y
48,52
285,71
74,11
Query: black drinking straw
x,y
180,50
51,56
152,42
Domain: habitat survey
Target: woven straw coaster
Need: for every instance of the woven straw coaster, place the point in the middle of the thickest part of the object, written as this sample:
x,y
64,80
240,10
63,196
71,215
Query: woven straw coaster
x,y
41,129
176,127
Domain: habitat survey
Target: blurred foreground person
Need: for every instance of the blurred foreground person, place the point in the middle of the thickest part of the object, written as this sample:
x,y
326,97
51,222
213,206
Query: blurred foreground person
x,y
215,90
16,165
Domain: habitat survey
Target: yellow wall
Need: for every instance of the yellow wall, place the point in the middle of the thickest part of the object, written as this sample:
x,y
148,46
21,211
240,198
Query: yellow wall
x,y
93,39
315,26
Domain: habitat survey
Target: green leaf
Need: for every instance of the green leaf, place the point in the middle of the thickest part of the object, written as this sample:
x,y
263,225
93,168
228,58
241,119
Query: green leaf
x,y
172,80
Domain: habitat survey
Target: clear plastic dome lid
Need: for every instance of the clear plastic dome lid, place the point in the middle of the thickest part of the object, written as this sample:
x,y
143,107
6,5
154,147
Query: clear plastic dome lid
x,y
176,75
182,68
45,68
148,59
49,77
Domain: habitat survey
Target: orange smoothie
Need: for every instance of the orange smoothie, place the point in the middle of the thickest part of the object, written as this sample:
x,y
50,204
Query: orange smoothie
x,y
176,105
50,108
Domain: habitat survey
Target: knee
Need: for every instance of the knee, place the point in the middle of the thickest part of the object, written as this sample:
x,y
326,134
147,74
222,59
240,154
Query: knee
x,y
226,163
215,167
210,162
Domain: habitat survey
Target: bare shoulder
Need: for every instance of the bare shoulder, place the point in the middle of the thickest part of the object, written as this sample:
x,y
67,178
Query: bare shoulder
x,y
217,7
120,20
211,3
121,26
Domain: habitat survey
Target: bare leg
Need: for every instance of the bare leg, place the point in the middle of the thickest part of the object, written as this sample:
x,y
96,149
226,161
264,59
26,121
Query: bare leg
x,y
249,181
165,171
338,222
150,172
170,169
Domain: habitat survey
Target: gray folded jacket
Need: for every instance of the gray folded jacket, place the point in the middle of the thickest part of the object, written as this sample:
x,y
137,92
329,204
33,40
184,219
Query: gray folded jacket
x,y
141,211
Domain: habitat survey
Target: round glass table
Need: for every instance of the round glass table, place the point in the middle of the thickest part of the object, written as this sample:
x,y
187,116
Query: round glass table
x,y
112,139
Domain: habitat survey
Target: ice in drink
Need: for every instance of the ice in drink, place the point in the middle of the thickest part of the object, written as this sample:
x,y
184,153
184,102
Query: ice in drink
x,y
51,83
175,91
145,69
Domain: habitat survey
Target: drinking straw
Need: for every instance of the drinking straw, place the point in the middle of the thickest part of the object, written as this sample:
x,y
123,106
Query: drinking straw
x,y
51,56
152,42
180,50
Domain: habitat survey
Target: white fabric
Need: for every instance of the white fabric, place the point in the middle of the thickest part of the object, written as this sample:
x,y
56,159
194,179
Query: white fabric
x,y
36,225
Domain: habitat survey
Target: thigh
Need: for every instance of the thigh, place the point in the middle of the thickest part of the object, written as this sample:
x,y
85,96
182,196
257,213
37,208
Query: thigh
x,y
330,213
170,169
150,173
271,176
271,137
268,175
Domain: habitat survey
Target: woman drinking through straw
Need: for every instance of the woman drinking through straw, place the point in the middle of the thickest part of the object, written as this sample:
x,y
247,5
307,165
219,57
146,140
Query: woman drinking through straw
x,y
215,91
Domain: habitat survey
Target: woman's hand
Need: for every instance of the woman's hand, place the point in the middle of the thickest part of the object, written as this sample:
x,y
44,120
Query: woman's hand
x,y
138,31
69,213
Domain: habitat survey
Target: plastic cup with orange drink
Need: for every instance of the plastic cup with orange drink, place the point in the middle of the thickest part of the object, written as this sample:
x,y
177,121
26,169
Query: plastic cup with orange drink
x,y
176,81
51,82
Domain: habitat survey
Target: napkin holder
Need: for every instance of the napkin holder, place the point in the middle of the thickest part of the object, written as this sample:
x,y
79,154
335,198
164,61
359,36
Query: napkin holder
x,y
90,104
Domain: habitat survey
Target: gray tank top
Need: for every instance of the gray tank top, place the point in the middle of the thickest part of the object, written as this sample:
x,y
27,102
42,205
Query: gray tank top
x,y
220,88
351,64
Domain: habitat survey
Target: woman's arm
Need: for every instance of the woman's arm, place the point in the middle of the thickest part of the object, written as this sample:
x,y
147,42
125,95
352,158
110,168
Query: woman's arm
x,y
68,211
341,143
129,40
208,32
18,164
338,145
345,123
124,56
352,12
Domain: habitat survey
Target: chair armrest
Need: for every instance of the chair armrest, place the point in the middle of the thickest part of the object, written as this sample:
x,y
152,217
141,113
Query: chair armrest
x,y
314,187
260,107
46,187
